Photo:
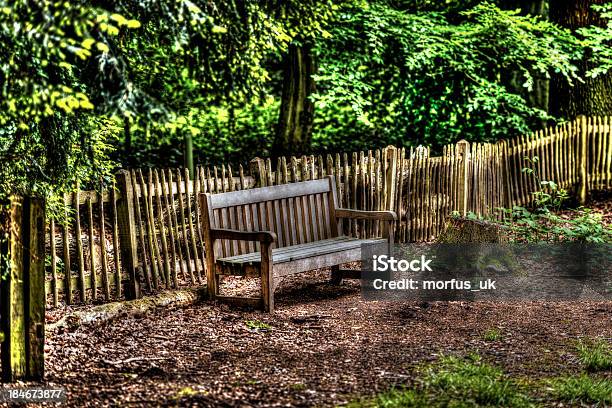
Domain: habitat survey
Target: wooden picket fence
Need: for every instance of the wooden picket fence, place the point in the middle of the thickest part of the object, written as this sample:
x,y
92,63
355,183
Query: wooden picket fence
x,y
142,233
576,154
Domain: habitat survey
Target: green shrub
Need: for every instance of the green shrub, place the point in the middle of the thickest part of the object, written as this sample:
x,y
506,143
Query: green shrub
x,y
542,222
580,225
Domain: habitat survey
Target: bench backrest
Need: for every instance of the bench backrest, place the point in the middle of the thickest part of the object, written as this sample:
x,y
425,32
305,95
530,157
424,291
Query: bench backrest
x,y
297,212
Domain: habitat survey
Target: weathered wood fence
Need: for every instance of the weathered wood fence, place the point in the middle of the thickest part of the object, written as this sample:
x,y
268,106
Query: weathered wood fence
x,y
22,277
140,235
143,234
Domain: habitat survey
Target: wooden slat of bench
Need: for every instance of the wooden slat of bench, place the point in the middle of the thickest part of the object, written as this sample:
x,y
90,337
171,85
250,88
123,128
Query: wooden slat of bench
x,y
254,256
315,262
255,303
294,266
321,250
257,195
288,254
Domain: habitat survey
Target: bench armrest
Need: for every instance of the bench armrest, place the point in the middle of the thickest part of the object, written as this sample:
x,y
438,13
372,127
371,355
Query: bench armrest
x,y
366,215
267,237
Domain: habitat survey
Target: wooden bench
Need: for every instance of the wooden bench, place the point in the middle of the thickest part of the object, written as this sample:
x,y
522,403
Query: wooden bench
x,y
271,232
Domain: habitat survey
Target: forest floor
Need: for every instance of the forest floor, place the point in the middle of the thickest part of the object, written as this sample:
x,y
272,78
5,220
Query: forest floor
x,y
323,346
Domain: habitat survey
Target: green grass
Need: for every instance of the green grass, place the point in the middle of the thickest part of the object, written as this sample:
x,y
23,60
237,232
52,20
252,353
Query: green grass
x,y
474,383
455,382
298,387
492,335
582,389
395,398
596,355
403,398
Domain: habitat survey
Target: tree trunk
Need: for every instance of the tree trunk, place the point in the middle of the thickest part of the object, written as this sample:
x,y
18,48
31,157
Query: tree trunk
x,y
296,112
594,95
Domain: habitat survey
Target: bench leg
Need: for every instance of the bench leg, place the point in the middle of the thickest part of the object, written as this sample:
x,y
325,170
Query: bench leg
x,y
267,279
336,275
212,280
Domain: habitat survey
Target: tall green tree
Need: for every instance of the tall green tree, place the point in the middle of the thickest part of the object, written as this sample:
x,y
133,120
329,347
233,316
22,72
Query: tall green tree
x,y
434,77
592,95
73,74
48,137
538,95
188,57
296,117
307,22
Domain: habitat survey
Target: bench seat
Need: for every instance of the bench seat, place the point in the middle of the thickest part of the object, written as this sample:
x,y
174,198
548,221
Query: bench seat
x,y
298,258
275,231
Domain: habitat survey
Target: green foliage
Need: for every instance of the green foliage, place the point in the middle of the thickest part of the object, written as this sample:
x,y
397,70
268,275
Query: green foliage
x,y
551,197
203,68
48,139
221,134
89,85
189,55
76,77
420,77
581,225
582,390
599,41
595,355
257,325
542,221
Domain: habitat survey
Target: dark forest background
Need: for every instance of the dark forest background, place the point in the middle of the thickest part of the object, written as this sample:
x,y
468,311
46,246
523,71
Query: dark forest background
x,y
90,86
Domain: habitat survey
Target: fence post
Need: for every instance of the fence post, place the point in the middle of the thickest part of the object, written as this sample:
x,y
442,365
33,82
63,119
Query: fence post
x,y
391,177
127,231
463,151
504,167
12,310
583,149
257,167
22,288
35,299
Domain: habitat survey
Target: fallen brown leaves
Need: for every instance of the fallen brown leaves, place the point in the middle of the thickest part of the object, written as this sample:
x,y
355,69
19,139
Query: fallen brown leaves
x,y
323,346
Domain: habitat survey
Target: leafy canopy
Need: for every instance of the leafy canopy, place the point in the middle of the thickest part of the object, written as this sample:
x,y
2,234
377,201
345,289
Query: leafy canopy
x,y
424,77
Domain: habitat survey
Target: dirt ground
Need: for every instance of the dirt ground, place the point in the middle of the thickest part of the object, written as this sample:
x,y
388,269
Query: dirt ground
x,y
323,346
